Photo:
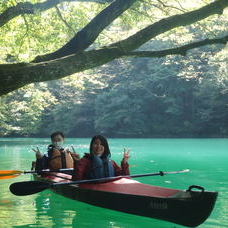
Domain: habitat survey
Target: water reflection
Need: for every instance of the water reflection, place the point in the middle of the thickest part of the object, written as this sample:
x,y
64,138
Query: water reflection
x,y
63,212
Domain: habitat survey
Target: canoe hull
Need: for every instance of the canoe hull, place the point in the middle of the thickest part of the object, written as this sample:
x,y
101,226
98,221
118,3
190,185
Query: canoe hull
x,y
188,212
184,208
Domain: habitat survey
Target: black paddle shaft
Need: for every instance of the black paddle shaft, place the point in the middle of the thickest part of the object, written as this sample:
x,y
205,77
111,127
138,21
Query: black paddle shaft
x,y
106,179
31,187
49,170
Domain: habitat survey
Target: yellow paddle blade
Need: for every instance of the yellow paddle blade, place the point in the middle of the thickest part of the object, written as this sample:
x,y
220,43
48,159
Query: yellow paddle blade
x,y
9,172
8,177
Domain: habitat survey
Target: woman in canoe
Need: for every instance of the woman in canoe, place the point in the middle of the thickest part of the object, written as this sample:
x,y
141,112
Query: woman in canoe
x,y
97,163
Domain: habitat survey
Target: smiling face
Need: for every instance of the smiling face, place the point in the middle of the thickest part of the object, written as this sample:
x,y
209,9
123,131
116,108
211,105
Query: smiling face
x,y
97,147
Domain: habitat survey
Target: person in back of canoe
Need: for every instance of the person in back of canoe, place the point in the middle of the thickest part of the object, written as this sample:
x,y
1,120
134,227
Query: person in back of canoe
x,y
57,157
97,163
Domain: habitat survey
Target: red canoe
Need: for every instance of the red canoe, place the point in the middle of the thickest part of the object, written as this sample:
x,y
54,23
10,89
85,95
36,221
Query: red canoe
x,y
188,208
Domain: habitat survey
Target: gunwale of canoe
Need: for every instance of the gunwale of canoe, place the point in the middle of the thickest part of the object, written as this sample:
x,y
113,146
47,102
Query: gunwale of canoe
x,y
123,186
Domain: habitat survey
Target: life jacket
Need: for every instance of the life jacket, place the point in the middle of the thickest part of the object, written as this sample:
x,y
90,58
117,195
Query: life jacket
x,y
101,167
60,159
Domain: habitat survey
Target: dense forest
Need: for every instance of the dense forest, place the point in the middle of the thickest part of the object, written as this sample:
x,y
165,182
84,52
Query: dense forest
x,y
171,96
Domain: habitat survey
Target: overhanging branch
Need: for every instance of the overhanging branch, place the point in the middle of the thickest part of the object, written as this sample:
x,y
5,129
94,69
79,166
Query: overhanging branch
x,y
59,68
182,50
135,41
85,37
14,76
23,8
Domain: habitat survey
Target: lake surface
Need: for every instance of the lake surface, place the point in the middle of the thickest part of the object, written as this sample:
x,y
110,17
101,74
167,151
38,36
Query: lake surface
x,y
206,158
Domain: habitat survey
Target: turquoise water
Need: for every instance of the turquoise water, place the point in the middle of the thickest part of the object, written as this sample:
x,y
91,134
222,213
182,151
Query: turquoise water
x,y
206,158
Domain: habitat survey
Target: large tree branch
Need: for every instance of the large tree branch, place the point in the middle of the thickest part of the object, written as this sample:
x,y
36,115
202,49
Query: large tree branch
x,y
23,8
135,41
14,76
59,68
90,32
85,37
182,50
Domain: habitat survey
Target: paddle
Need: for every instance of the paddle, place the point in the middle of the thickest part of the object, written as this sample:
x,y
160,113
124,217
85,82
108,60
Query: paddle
x,y
30,187
7,177
6,174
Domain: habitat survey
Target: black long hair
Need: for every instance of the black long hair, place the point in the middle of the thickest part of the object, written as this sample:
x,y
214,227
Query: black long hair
x,y
104,142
